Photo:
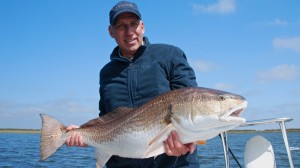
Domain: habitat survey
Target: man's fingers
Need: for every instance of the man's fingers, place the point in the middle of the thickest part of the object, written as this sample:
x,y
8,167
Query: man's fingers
x,y
191,147
81,142
167,148
76,139
170,141
69,128
178,146
174,147
169,145
175,140
71,140
68,141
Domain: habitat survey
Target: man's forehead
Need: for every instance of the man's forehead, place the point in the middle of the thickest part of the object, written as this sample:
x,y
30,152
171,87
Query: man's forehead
x,y
127,15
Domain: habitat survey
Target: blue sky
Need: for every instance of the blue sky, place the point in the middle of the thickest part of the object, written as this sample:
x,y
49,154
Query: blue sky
x,y
52,51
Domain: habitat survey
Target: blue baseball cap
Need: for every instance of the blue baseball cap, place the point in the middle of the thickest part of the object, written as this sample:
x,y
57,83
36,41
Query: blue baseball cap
x,y
121,7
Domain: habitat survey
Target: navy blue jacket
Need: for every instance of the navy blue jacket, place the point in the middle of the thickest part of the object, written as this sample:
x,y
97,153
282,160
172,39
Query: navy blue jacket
x,y
154,69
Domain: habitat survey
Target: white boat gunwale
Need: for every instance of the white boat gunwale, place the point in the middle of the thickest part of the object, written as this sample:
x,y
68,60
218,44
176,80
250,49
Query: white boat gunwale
x,y
281,121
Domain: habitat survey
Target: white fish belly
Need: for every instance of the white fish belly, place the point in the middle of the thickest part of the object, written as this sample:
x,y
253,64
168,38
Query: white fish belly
x,y
130,145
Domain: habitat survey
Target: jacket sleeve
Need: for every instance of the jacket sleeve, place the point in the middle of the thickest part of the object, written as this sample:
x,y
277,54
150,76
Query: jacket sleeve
x,y
102,110
181,74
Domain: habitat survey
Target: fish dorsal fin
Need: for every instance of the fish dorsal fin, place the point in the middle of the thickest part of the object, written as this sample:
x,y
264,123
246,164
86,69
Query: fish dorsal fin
x,y
115,114
111,116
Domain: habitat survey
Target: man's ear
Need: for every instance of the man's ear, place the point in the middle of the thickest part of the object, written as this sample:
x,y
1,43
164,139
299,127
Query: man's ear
x,y
110,30
143,27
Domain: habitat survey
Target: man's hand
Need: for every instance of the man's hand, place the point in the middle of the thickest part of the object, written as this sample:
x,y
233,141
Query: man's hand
x,y
174,147
74,139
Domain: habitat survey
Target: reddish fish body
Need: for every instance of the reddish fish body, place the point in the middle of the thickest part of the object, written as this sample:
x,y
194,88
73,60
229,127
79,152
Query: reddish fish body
x,y
195,113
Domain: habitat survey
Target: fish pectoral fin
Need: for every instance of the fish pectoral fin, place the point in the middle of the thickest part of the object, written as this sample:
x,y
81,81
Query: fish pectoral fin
x,y
101,158
154,150
156,146
162,134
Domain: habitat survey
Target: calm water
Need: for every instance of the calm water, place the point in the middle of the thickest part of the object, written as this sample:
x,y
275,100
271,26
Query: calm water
x,y
22,150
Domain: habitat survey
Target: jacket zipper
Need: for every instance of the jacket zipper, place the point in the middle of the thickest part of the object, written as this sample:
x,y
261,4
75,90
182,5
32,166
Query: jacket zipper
x,y
131,84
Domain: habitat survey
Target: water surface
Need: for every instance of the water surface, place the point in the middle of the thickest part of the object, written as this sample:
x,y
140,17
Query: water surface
x,y
22,150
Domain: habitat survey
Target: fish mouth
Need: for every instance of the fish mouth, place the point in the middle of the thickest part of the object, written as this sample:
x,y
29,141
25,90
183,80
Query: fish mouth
x,y
234,113
237,112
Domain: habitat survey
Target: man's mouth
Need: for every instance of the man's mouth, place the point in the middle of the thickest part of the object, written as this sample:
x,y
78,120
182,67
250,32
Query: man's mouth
x,y
131,40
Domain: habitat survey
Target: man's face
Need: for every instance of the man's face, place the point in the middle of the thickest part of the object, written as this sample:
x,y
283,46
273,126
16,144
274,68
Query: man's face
x,y
128,32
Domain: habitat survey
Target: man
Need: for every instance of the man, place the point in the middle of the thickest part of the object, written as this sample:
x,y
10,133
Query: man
x,y
139,71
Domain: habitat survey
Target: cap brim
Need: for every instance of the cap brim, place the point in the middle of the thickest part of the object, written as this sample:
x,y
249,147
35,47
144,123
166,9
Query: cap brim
x,y
113,20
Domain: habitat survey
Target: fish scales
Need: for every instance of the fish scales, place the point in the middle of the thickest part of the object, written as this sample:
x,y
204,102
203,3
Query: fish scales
x,y
195,113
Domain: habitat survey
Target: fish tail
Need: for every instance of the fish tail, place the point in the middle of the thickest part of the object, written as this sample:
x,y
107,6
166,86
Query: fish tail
x,y
52,136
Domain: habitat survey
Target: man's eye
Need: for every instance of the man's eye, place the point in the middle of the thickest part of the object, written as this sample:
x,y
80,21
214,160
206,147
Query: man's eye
x,y
134,23
121,26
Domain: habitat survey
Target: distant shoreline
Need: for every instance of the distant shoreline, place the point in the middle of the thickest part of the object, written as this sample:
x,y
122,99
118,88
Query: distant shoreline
x,y
262,131
23,131
37,131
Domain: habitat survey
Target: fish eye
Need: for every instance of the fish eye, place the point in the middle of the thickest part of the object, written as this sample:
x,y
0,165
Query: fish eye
x,y
221,97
